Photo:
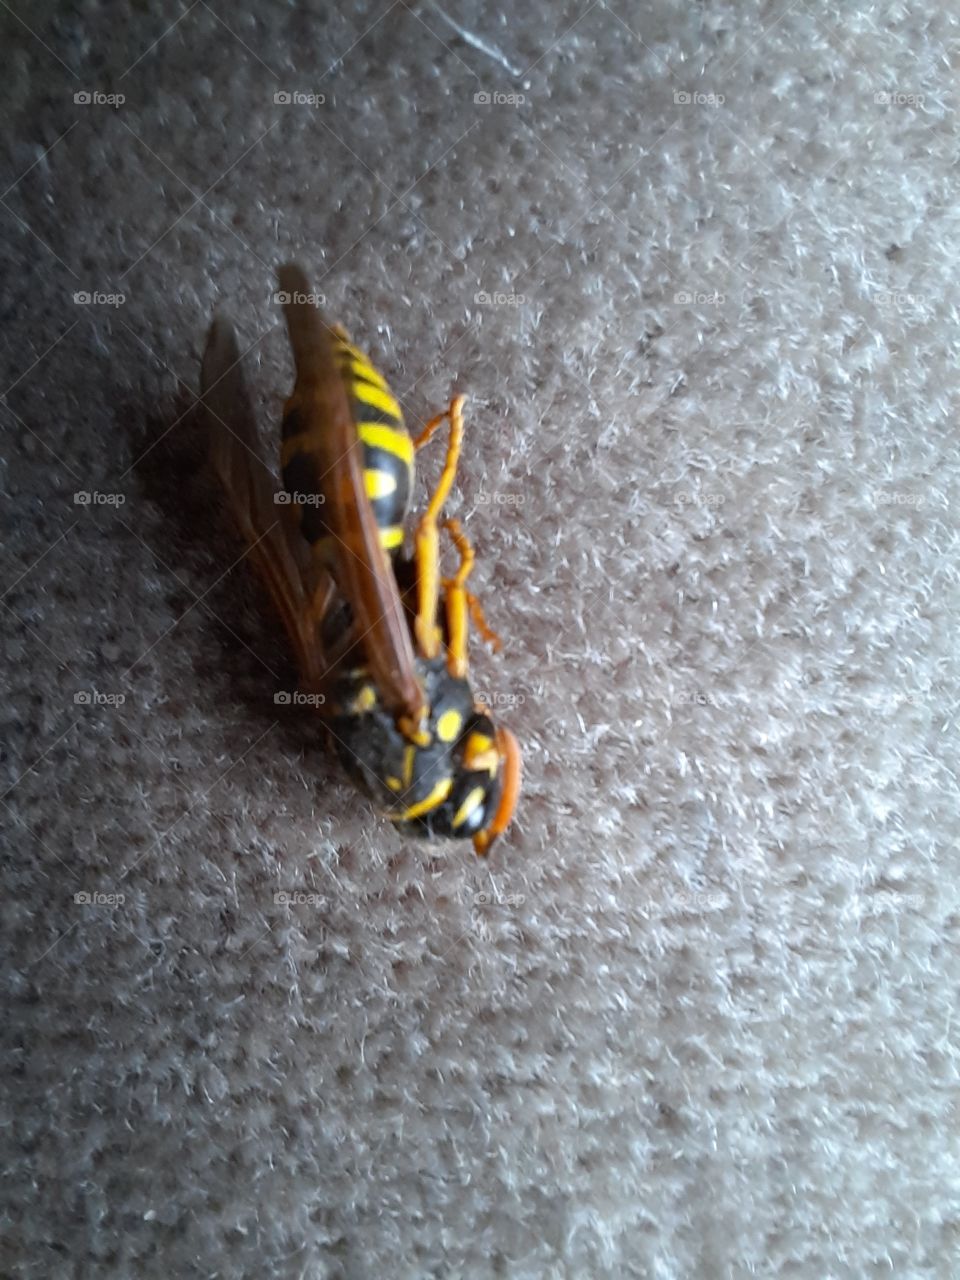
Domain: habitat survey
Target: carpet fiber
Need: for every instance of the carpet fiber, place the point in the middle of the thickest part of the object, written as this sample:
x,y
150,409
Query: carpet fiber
x,y
694,266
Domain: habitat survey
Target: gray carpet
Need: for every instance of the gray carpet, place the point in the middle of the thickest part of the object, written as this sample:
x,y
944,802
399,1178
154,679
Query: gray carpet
x,y
695,267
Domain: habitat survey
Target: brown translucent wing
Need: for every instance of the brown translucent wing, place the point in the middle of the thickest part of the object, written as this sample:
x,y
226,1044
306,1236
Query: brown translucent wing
x,y
279,554
362,568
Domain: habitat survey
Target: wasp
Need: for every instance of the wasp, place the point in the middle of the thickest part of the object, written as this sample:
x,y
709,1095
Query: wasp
x,y
380,637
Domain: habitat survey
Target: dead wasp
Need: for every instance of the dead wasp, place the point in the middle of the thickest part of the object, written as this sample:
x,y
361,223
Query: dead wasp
x,y
387,666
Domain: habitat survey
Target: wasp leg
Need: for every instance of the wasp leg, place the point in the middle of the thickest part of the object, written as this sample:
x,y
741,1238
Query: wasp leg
x,y
479,621
427,536
320,598
459,602
428,431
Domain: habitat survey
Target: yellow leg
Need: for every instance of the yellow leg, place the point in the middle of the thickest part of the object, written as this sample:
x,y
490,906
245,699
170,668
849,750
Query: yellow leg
x,y
456,601
428,431
427,536
480,622
459,600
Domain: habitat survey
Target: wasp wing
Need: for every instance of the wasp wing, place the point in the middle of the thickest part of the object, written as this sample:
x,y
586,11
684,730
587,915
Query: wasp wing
x,y
361,565
299,592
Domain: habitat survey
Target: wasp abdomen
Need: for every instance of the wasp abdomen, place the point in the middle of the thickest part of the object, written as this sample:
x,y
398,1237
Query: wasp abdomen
x,y
387,447
387,454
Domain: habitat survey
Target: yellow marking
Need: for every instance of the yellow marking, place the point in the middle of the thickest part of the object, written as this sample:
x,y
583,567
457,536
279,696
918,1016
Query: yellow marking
x,y
379,484
448,726
409,755
378,435
489,760
481,753
365,700
391,537
432,801
474,799
377,398
394,784
363,369
353,361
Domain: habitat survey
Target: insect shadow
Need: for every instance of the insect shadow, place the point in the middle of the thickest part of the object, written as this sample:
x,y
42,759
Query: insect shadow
x,y
203,563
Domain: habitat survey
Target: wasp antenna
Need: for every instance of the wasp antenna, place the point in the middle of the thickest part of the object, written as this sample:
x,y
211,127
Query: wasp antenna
x,y
512,768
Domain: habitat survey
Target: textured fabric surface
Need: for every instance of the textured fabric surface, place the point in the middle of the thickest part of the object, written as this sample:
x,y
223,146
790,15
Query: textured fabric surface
x,y
695,267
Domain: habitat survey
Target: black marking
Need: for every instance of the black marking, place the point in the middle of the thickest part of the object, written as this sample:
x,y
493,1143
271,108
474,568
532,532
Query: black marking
x,y
481,723
352,370
292,424
363,412
300,479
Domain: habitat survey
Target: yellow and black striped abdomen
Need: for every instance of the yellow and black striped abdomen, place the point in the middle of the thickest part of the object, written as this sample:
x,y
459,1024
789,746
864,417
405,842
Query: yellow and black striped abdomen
x,y
387,452
387,447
